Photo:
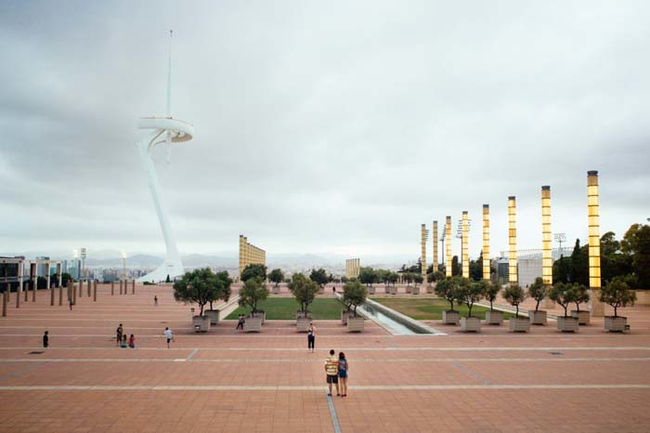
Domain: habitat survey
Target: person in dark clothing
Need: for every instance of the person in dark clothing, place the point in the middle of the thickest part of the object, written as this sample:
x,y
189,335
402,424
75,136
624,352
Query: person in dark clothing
x,y
46,340
240,322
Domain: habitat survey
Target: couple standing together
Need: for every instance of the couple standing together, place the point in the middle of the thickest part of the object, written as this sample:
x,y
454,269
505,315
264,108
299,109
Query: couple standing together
x,y
337,372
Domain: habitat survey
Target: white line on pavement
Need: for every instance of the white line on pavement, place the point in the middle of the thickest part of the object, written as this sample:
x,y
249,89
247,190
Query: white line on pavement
x,y
317,388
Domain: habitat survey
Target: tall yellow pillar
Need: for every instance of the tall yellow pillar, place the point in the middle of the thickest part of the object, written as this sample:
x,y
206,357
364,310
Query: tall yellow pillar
x,y
448,247
597,307
434,253
423,255
465,244
486,242
547,253
512,240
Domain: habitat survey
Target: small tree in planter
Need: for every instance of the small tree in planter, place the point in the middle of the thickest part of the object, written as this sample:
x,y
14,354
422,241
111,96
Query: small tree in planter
x,y
493,317
449,290
320,277
393,277
253,291
470,294
617,294
564,294
254,270
198,286
538,291
304,291
354,295
221,286
581,297
515,295
418,278
276,276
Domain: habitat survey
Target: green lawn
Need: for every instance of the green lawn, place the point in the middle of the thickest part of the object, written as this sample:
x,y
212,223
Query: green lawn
x,y
285,309
428,308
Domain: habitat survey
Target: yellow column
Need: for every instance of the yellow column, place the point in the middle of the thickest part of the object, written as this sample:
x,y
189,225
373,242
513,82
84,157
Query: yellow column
x,y
486,242
512,240
423,247
547,254
448,246
597,308
434,253
465,244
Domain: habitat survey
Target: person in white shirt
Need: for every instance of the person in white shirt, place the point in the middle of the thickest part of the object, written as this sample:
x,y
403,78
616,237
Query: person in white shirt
x,y
169,335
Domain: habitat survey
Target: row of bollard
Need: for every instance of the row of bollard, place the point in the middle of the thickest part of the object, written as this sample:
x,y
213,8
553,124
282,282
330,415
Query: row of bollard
x,y
71,292
124,287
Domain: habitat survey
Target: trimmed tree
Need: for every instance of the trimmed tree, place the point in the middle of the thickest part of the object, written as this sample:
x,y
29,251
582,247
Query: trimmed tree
x,y
276,276
617,294
197,286
304,290
254,270
515,295
491,293
581,295
221,287
393,277
368,276
354,294
449,290
253,291
472,293
319,276
418,278
538,291
563,294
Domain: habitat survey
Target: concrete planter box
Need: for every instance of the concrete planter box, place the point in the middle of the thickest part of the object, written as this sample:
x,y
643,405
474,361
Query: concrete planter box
x,y
470,324
494,317
355,324
519,324
276,290
393,290
213,315
450,317
387,290
344,316
201,323
416,290
582,316
537,317
430,289
321,290
615,324
371,290
567,324
409,289
253,324
302,323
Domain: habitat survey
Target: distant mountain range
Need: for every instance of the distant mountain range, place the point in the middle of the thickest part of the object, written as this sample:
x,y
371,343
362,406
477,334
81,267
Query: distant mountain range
x,y
230,260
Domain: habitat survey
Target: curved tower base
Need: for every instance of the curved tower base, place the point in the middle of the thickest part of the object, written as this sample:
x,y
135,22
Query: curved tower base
x,y
170,269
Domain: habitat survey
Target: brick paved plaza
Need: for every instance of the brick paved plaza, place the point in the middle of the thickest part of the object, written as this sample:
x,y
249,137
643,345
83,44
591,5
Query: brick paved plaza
x,y
226,381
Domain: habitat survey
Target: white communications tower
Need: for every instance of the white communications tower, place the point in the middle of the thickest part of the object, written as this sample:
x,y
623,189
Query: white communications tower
x,y
163,130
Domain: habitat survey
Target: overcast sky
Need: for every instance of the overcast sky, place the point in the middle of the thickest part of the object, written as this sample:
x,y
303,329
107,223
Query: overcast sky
x,y
321,127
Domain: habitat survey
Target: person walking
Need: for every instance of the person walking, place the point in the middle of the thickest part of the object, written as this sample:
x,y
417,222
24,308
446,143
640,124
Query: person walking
x,y
46,340
155,300
170,336
240,322
119,332
332,371
124,343
343,374
71,303
311,338
132,342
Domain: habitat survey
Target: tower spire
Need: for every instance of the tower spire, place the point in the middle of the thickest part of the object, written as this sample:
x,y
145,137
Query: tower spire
x,y
169,77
